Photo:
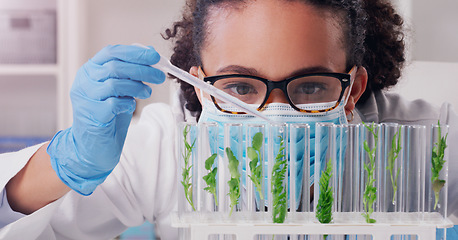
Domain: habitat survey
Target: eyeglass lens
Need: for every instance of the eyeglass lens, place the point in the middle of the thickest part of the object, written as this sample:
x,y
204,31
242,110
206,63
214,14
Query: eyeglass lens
x,y
301,91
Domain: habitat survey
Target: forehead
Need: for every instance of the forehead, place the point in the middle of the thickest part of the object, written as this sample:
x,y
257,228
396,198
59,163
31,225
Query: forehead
x,y
273,37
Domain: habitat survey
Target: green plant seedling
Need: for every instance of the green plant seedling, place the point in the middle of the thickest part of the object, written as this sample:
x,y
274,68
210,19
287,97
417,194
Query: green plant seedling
x,y
392,156
437,163
324,206
279,197
186,170
254,154
325,200
370,192
210,178
234,182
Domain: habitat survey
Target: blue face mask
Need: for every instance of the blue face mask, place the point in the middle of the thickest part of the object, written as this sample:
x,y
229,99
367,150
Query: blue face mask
x,y
279,112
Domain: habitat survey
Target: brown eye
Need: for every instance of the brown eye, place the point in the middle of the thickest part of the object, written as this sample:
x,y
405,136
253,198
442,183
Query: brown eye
x,y
310,88
241,89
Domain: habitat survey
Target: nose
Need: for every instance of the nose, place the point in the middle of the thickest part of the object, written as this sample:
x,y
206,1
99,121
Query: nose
x,y
277,96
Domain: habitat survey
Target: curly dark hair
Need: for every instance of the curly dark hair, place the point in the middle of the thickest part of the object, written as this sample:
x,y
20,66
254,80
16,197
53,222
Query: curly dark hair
x,y
373,35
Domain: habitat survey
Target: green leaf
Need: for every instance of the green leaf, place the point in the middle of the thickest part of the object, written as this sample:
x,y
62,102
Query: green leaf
x,y
366,147
325,200
370,191
437,163
438,185
252,154
233,163
186,170
255,164
234,182
279,197
209,162
258,139
392,156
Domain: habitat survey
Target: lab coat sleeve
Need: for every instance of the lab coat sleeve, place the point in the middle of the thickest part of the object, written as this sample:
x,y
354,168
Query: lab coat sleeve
x,y
14,225
141,187
7,214
150,168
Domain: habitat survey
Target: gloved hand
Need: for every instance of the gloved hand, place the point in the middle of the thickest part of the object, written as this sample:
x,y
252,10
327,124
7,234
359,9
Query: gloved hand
x,y
103,102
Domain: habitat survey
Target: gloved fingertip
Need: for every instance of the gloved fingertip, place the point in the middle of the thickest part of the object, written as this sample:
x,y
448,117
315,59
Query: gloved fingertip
x,y
148,90
155,57
125,105
160,77
145,93
132,106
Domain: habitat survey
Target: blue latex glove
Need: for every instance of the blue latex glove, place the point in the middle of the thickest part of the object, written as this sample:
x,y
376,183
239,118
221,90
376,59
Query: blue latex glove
x,y
103,102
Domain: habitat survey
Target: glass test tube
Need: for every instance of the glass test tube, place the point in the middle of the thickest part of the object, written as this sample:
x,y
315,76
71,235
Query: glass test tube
x,y
391,172
188,170
256,168
370,161
348,178
300,183
325,164
348,168
413,181
231,196
208,183
437,171
278,172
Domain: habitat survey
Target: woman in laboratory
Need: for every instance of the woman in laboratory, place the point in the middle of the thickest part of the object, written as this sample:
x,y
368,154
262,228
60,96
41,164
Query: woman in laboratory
x,y
96,178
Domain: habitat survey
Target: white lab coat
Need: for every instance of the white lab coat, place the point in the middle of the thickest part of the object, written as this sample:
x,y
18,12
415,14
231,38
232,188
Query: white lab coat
x,y
143,185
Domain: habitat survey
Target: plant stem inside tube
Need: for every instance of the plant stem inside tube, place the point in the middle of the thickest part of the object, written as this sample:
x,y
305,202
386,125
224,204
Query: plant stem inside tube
x,y
254,154
210,178
370,192
392,156
437,163
234,182
186,170
279,197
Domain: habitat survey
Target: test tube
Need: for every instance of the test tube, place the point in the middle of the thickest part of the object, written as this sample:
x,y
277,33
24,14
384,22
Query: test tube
x,y
278,172
300,183
348,170
437,172
256,169
348,176
188,170
208,182
231,200
391,171
370,161
325,170
413,179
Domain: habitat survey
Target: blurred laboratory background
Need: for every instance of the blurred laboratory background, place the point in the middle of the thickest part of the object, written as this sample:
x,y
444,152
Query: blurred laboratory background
x,y
44,42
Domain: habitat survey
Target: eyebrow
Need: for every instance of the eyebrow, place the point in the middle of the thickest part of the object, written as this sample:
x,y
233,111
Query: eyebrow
x,y
237,69
251,71
313,69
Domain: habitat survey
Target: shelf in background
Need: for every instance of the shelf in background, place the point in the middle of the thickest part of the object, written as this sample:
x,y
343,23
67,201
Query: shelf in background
x,y
28,69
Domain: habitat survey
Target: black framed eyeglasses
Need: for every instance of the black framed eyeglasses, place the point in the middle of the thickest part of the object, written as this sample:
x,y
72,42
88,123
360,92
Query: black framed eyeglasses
x,y
310,93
